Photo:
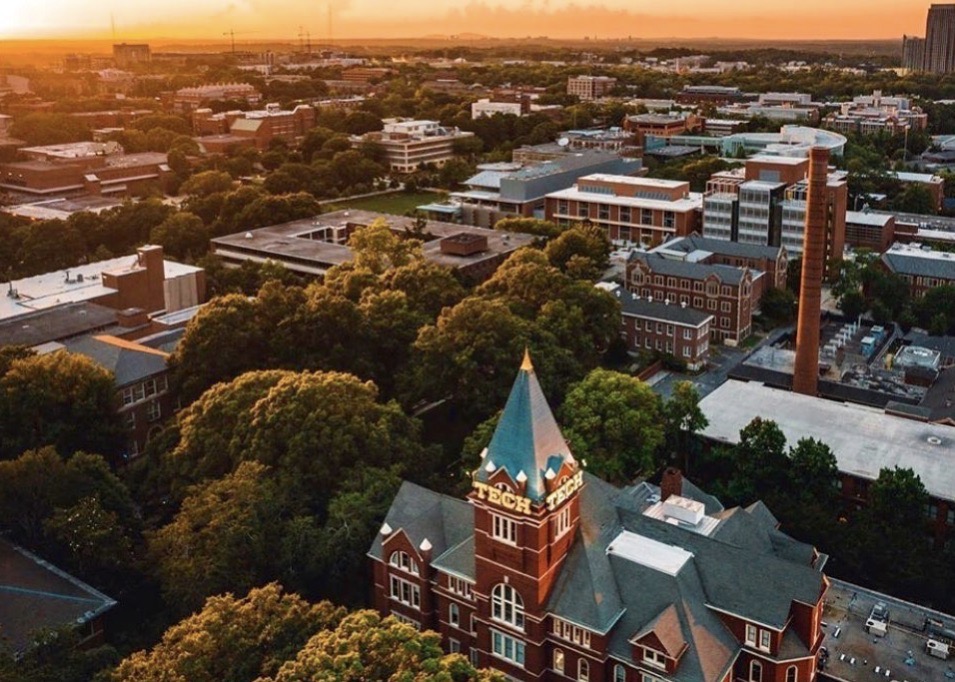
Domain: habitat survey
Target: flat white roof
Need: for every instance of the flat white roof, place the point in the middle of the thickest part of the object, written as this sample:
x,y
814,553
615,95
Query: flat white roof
x,y
52,289
637,182
693,200
781,160
862,218
653,554
915,251
863,439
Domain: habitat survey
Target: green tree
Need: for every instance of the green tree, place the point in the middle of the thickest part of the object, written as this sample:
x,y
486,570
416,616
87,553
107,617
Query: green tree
x,y
813,471
49,128
207,183
182,235
778,306
760,462
222,341
366,646
852,304
535,226
60,399
233,639
682,419
377,248
587,242
915,199
94,536
221,539
614,422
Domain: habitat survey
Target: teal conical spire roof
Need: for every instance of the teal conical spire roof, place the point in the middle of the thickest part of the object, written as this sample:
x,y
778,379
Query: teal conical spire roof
x,y
527,442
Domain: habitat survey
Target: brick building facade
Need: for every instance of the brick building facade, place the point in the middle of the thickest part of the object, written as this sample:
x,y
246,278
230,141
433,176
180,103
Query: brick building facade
x,y
548,573
727,293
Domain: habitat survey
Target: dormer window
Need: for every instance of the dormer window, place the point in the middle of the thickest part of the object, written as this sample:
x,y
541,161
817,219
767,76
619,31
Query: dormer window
x,y
403,561
654,658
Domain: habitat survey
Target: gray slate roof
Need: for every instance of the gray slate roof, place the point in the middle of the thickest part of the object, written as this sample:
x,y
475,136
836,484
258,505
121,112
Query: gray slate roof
x,y
127,363
633,305
697,271
916,266
695,242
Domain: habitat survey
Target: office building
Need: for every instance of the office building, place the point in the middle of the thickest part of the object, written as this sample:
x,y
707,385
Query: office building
x,y
312,246
709,94
547,572
765,203
485,107
129,54
589,88
511,190
220,132
771,260
922,269
646,211
410,144
939,50
870,230
661,125
186,100
913,53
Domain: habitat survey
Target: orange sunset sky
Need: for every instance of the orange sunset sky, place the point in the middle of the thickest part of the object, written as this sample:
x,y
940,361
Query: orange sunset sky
x,y
265,19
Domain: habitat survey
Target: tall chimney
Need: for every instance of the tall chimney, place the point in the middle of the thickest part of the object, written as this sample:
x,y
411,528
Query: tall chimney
x,y
671,483
806,372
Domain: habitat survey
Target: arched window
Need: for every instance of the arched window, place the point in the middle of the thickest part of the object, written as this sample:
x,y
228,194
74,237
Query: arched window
x,y
792,674
583,670
403,561
755,671
559,660
619,673
507,606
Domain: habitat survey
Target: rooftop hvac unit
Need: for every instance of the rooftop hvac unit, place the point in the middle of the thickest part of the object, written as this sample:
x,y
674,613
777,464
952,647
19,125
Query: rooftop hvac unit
x,y
876,627
937,649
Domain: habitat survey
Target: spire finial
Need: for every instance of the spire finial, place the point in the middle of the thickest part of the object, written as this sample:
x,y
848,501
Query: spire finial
x,y
527,365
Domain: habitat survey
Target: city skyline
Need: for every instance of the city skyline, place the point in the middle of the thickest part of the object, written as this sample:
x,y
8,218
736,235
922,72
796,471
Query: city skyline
x,y
348,19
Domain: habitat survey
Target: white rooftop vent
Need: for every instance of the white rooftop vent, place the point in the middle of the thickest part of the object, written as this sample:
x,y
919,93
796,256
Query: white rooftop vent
x,y
248,235
385,529
483,453
683,510
653,554
425,545
549,474
489,467
521,477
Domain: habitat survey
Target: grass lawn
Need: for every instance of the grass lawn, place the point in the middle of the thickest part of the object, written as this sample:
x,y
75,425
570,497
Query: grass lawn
x,y
398,203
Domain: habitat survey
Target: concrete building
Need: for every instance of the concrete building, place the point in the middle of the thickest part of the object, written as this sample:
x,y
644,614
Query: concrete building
x,y
548,573
765,203
620,141
589,88
130,54
922,269
709,94
913,53
144,281
410,144
649,325
186,100
220,132
661,125
863,439
870,230
728,293
877,113
645,211
939,49
314,245
39,597
485,107
510,190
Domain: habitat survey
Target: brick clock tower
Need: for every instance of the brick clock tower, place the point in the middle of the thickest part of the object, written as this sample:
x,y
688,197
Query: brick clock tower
x,y
526,498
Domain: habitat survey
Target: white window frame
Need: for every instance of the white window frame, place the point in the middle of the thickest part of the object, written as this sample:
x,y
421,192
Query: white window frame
x,y
559,661
405,592
454,646
654,658
454,614
583,670
504,529
507,647
751,634
765,640
795,674
619,673
753,667
507,606
403,561
562,522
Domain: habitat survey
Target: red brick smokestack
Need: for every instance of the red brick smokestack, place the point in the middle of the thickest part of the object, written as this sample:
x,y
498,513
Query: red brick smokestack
x,y
806,373
671,483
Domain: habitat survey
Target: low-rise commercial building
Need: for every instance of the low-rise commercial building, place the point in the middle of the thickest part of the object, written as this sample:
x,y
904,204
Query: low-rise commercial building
x,y
645,211
922,269
509,190
314,245
661,125
589,88
485,107
870,230
410,144
220,132
708,94
727,293
186,100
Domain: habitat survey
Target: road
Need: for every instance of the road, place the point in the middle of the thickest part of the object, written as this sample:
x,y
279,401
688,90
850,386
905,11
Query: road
x,y
723,360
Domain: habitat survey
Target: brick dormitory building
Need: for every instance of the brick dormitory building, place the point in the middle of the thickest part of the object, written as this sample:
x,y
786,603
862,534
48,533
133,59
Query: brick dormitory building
x,y
730,294
548,573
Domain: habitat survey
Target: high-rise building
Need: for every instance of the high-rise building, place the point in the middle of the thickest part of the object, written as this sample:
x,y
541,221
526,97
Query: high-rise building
x,y
913,53
589,88
939,50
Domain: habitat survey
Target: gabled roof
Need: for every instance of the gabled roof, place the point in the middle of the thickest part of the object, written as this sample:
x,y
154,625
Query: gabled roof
x,y
697,271
35,595
527,442
666,628
128,361
695,242
424,514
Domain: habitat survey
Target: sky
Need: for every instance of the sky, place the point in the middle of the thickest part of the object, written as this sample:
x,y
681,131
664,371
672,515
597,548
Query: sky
x,y
267,19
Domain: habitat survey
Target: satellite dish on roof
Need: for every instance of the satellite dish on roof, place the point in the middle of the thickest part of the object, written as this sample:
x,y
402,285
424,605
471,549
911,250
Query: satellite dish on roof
x,y
563,142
